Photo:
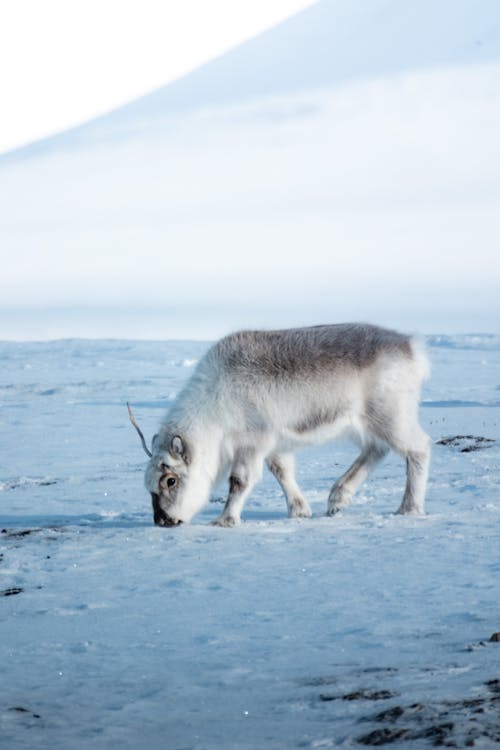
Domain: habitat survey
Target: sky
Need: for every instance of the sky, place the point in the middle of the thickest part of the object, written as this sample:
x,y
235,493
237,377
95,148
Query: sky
x,y
62,63
371,197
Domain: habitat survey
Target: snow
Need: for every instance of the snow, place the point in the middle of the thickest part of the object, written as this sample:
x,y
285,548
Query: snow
x,y
266,214
326,45
357,179
343,166
367,628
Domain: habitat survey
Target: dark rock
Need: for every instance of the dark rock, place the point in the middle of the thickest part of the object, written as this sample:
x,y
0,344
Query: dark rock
x,y
493,686
12,591
391,715
384,736
438,733
359,695
467,443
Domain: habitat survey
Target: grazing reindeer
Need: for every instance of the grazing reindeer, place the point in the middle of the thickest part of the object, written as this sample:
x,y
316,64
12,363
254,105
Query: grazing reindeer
x,y
259,395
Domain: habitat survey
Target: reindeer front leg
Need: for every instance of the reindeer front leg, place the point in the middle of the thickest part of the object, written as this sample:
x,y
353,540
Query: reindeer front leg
x,y
245,472
282,466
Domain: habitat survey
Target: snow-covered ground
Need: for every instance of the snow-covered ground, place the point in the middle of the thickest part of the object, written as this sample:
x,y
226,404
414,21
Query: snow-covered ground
x,y
364,629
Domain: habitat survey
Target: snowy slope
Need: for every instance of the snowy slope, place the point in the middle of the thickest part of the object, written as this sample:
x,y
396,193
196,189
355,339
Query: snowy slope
x,y
342,166
334,42
365,629
378,202
331,43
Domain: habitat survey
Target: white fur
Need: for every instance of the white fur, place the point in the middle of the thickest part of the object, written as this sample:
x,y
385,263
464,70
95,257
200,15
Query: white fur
x,y
232,418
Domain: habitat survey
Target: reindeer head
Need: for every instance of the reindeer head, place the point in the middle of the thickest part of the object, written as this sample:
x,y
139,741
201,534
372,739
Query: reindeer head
x,y
166,476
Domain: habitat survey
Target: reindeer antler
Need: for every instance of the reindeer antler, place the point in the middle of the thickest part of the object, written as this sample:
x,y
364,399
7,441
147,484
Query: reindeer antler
x,y
132,419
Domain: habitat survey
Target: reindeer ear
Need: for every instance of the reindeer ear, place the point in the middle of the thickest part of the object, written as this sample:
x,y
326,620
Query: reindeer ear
x,y
177,447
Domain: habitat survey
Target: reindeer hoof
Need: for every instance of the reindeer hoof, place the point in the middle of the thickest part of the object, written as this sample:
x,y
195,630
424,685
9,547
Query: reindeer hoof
x,y
404,510
332,510
300,509
225,522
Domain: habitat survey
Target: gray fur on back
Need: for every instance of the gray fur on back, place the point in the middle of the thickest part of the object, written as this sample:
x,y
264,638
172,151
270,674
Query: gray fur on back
x,y
298,352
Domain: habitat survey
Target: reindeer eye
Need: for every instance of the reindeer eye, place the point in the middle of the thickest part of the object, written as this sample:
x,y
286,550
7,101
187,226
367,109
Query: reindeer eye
x,y
171,482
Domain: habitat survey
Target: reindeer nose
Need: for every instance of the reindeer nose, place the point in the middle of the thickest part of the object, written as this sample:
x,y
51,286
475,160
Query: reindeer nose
x,y
162,519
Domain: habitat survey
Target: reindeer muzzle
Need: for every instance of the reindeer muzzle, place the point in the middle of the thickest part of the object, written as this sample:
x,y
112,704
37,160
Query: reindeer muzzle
x,y
161,518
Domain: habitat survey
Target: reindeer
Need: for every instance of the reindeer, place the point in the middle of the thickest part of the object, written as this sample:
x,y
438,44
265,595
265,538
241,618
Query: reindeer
x,y
257,396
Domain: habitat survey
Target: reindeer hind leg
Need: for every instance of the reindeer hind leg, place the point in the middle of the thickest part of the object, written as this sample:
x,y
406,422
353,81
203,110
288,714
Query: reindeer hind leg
x,y
344,488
